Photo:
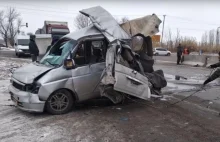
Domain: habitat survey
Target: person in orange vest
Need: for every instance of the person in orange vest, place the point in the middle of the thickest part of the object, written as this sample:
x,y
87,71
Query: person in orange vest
x,y
185,51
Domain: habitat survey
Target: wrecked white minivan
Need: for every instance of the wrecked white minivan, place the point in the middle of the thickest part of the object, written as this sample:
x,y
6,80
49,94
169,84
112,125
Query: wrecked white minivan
x,y
89,63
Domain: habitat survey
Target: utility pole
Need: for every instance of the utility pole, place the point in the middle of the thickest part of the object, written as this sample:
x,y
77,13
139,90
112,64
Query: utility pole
x,y
26,25
164,16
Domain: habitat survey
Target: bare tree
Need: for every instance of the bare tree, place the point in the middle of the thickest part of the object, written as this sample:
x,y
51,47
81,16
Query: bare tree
x,y
169,39
124,19
82,21
211,38
178,38
10,22
204,41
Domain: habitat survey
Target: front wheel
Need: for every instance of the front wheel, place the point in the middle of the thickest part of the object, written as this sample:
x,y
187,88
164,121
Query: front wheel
x,y
168,54
156,54
60,102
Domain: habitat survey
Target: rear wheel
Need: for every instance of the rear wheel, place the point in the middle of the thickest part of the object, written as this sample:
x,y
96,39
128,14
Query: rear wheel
x,y
60,102
156,54
168,54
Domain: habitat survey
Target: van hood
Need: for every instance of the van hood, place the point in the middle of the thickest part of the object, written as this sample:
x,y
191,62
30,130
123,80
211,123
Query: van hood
x,y
22,47
28,73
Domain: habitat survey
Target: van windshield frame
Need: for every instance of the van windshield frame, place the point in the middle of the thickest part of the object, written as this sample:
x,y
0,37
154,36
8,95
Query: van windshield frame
x,y
58,52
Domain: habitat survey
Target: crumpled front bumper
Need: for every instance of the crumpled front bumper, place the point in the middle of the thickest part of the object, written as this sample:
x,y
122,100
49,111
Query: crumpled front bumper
x,y
26,101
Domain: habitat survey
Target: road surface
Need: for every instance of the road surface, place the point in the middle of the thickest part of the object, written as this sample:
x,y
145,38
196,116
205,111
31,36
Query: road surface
x,y
193,120
7,53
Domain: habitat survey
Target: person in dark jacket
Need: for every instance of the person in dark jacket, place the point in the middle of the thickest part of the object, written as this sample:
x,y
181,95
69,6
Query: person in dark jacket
x,y
179,53
34,51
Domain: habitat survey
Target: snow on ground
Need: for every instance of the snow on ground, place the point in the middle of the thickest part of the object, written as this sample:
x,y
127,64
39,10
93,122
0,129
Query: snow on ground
x,y
6,65
6,48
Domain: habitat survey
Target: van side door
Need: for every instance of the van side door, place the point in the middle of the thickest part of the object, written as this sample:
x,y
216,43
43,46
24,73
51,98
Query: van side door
x,y
129,81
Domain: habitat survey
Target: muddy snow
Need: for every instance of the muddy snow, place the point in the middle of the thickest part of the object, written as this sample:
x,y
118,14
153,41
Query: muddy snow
x,y
100,120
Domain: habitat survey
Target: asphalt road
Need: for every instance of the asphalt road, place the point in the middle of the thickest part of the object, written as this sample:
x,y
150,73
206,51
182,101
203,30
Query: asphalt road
x,y
5,53
171,58
194,120
11,54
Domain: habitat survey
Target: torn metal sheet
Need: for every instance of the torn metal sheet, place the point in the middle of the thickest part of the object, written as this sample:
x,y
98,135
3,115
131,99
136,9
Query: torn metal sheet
x,y
106,23
131,82
147,25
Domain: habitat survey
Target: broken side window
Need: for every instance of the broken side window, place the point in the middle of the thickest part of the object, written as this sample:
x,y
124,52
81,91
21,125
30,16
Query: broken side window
x,y
80,58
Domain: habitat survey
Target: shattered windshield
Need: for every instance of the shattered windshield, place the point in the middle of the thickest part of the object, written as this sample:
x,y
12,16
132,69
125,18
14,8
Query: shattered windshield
x,y
58,52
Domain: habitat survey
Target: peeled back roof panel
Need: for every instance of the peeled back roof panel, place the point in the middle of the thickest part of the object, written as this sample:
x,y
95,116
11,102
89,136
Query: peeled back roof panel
x,y
87,31
105,23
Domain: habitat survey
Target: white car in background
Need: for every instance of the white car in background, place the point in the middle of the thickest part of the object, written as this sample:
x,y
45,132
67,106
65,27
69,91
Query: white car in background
x,y
161,51
22,45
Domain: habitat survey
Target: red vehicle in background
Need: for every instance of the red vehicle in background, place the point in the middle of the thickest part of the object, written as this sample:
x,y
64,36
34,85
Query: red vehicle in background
x,y
57,29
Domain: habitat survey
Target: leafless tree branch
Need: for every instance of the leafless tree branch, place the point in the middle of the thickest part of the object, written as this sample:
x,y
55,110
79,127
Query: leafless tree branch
x,y
82,21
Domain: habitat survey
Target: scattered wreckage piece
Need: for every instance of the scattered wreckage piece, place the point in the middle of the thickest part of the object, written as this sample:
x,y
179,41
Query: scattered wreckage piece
x,y
147,25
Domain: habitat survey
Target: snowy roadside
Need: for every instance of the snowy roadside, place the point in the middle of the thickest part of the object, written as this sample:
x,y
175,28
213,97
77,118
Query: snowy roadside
x,y
5,75
7,49
7,64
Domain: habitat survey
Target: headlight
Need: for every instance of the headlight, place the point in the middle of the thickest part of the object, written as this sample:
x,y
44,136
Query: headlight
x,y
33,88
20,50
29,88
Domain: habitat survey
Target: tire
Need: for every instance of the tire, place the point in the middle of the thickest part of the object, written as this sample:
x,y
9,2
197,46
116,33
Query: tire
x,y
168,54
156,54
60,102
18,55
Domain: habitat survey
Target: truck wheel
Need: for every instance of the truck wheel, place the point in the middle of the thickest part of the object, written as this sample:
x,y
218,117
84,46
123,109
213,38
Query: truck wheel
x,y
60,102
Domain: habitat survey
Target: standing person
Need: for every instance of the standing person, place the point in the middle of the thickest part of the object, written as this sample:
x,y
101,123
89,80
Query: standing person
x,y
33,48
179,53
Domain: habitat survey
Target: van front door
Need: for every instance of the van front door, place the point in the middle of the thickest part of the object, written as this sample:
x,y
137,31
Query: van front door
x,y
81,75
89,66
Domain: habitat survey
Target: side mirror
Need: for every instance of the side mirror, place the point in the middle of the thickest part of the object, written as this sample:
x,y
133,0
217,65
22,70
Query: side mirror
x,y
69,64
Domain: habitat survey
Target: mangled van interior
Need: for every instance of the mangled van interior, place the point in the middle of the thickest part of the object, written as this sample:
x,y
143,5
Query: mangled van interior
x,y
100,59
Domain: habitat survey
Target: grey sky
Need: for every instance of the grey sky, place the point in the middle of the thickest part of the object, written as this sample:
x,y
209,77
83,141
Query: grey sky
x,y
192,18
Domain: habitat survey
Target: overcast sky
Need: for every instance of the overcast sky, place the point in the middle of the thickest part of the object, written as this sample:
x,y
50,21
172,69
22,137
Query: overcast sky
x,y
192,18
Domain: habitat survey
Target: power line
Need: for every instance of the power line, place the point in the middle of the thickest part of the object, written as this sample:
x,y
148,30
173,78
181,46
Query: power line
x,y
67,12
191,20
43,10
